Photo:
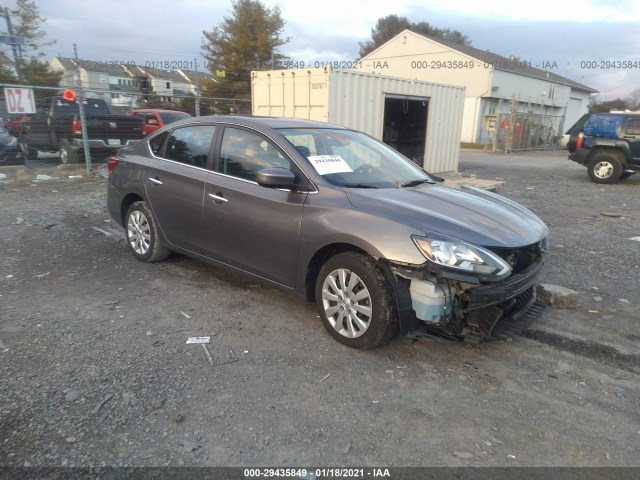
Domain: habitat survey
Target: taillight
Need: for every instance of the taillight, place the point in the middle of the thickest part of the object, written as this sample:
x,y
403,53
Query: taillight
x,y
580,140
76,127
112,163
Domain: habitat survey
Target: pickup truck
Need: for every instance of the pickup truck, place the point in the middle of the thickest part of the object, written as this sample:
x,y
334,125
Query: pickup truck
x,y
59,130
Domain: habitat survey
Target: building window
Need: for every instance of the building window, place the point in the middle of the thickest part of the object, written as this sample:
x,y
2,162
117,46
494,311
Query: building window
x,y
104,79
168,84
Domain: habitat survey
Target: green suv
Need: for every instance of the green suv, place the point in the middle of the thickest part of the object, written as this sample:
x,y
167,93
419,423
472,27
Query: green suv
x,y
608,144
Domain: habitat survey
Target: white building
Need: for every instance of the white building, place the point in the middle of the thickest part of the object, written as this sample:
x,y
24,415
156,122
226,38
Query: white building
x,y
494,84
111,82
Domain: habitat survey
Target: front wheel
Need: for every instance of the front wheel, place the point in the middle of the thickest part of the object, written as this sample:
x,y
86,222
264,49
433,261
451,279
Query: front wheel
x,y
142,233
605,168
355,301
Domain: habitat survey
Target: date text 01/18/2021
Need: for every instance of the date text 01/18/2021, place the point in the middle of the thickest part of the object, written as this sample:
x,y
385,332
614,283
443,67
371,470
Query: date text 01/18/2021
x,y
317,473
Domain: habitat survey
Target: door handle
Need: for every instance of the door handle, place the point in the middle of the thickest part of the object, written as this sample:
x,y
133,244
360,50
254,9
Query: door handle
x,y
218,198
155,181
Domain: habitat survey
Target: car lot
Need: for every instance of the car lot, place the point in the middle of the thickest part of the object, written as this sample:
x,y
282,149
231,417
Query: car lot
x,y
96,369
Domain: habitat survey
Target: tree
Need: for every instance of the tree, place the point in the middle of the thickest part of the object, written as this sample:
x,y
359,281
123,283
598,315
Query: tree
x,y
633,99
38,73
388,27
607,106
247,40
25,21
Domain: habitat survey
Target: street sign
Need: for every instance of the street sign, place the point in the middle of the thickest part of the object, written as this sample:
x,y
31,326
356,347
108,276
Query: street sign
x,y
12,39
19,100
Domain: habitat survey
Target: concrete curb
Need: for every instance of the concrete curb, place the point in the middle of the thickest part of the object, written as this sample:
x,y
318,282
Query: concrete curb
x,y
456,180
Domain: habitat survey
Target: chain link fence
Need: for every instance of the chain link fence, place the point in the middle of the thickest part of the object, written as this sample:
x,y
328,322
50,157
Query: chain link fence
x,y
41,126
526,131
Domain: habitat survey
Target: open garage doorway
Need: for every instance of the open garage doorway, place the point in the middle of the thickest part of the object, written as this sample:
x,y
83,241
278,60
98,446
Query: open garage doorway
x,y
405,125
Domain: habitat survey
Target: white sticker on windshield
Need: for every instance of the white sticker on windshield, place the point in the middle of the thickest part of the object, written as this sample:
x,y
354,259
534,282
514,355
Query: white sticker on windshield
x,y
326,164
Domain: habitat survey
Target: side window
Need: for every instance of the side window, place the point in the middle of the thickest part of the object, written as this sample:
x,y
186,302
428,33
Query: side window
x,y
304,143
633,127
243,154
190,145
156,144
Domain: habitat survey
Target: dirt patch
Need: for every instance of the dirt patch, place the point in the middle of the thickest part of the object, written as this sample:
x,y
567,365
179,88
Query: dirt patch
x,y
97,372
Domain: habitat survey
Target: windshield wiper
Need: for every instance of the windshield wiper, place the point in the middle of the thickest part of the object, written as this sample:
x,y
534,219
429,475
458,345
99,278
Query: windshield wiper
x,y
413,183
358,185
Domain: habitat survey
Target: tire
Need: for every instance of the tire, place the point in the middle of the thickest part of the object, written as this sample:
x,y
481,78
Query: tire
x,y
625,175
12,158
355,301
142,234
605,168
70,155
28,152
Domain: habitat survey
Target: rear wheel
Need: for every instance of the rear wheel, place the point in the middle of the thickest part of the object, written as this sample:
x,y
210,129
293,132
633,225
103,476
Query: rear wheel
x,y
28,152
69,154
605,168
625,175
142,234
355,301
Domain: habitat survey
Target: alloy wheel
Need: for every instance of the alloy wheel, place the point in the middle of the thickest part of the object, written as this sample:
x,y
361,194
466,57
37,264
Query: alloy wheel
x,y
603,169
139,232
347,303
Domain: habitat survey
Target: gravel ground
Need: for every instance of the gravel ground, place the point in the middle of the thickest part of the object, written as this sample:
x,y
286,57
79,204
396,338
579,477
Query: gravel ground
x,y
96,370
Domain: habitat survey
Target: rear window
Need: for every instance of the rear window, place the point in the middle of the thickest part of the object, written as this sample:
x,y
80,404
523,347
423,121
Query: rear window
x,y
603,126
170,117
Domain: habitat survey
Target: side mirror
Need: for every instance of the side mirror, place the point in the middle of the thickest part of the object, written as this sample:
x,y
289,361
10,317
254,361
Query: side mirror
x,y
276,178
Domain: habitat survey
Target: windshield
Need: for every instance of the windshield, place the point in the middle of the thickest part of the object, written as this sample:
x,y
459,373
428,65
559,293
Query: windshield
x,y
352,159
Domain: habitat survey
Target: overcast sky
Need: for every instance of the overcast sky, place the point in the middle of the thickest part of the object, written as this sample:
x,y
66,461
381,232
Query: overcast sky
x,y
569,33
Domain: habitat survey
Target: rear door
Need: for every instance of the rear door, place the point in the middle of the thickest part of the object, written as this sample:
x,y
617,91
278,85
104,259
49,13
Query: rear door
x,y
632,135
175,183
574,131
253,228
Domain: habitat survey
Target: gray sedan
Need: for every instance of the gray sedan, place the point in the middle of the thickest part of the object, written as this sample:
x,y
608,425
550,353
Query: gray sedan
x,y
335,217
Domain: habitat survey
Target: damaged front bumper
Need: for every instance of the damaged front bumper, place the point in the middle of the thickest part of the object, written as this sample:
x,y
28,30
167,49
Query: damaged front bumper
x,y
459,308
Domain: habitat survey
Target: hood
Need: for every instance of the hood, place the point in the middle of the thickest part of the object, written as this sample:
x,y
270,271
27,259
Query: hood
x,y
470,214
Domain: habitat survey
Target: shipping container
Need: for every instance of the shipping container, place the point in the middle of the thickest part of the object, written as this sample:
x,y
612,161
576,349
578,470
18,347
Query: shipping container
x,y
421,120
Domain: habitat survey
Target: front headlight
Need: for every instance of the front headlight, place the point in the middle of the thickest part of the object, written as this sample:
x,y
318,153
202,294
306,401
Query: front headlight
x,y
463,257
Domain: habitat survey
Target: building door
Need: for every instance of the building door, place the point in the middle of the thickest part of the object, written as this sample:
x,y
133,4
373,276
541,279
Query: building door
x,y
405,125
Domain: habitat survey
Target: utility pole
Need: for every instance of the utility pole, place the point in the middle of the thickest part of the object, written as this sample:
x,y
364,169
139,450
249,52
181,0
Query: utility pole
x,y
197,88
17,57
83,123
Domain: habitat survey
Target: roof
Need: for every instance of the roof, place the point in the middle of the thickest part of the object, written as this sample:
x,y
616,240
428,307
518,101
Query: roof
x,y
270,122
67,63
97,66
193,76
498,62
162,74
